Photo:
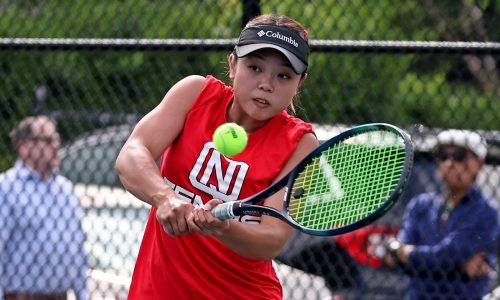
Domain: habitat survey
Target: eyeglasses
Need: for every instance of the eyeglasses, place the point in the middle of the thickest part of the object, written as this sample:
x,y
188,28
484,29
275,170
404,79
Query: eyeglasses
x,y
458,155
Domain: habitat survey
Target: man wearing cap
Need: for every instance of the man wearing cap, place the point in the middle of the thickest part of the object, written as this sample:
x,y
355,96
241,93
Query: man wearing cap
x,y
448,237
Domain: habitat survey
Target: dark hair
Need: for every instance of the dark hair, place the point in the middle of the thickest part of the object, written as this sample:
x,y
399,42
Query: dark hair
x,y
282,21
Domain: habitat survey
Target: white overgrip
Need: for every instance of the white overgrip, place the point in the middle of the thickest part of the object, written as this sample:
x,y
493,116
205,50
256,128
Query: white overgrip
x,y
223,211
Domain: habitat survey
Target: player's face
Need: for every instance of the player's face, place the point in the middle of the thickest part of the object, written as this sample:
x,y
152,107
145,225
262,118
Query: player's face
x,y
457,167
264,83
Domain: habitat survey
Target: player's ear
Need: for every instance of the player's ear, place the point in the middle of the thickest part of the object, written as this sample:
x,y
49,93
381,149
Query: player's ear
x,y
231,59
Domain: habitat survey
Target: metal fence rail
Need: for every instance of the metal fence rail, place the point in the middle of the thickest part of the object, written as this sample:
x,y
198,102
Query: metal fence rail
x,y
98,88
331,46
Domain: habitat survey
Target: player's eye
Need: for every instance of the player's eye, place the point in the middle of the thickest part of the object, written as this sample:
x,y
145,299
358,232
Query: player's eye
x,y
284,76
254,68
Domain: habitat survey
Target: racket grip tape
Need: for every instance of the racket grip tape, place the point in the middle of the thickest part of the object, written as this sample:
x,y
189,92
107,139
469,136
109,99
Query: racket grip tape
x,y
225,211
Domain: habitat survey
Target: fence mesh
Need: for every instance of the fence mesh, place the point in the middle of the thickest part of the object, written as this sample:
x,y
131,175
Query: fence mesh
x,y
98,66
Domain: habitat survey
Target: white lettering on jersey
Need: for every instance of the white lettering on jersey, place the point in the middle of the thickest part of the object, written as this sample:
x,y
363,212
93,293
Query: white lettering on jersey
x,y
208,165
195,199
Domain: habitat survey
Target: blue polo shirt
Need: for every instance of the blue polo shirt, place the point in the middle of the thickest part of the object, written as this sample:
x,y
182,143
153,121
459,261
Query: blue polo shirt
x,y
444,240
41,235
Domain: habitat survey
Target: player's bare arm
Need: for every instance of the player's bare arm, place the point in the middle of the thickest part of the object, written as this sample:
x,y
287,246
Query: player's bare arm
x,y
265,240
136,162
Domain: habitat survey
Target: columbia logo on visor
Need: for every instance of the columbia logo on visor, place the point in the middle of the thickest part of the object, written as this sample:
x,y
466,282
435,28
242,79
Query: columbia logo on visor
x,y
261,33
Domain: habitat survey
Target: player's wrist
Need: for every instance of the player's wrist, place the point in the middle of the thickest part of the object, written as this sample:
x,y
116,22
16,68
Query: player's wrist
x,y
162,197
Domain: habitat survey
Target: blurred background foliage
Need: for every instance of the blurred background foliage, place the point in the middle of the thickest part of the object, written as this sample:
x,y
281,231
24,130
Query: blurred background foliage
x,y
97,95
458,90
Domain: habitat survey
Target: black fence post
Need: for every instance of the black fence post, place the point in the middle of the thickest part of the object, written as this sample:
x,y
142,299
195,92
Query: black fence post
x,y
41,95
251,8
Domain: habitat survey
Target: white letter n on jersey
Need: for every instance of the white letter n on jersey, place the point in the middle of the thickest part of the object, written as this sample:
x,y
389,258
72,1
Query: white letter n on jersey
x,y
228,181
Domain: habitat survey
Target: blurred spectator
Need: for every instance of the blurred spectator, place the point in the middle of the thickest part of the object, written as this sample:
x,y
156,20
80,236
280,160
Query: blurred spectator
x,y
448,239
41,237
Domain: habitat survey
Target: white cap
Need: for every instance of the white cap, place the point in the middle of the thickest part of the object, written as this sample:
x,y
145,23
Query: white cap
x,y
464,138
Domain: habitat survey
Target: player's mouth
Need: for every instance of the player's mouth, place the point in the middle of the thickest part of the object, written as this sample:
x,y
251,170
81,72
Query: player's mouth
x,y
261,102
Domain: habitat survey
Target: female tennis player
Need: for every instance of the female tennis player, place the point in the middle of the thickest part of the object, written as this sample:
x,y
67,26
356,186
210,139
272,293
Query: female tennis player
x,y
186,253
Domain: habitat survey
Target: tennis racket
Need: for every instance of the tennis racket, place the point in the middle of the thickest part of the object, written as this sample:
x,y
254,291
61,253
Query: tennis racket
x,y
346,183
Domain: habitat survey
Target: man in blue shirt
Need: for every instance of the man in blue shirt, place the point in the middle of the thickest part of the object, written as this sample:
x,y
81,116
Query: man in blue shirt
x,y
41,238
448,238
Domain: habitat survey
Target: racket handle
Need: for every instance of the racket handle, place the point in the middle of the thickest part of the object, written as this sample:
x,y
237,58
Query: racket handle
x,y
224,211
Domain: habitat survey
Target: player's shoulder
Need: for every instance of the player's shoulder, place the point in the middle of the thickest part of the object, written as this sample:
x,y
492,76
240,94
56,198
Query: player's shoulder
x,y
295,128
185,91
192,86
192,82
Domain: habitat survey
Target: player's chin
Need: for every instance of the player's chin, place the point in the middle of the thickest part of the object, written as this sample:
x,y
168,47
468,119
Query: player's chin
x,y
263,114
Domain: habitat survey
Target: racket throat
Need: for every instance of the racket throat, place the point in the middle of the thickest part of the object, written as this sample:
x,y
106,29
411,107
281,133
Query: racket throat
x,y
235,209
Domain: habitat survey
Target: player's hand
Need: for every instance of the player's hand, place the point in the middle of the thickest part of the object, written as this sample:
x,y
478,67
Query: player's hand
x,y
173,215
206,222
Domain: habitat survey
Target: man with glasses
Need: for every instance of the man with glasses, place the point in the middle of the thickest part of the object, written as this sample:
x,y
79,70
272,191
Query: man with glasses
x,y
448,239
41,237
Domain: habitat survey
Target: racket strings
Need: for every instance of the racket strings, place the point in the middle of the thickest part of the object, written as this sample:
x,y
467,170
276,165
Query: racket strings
x,y
348,181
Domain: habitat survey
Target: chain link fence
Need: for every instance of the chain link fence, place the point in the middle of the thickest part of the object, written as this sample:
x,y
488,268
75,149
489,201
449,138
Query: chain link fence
x,y
98,66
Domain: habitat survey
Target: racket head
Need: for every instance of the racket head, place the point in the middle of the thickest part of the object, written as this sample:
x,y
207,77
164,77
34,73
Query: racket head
x,y
350,180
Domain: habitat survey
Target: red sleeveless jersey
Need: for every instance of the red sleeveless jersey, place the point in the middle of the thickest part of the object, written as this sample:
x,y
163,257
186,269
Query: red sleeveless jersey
x,y
199,267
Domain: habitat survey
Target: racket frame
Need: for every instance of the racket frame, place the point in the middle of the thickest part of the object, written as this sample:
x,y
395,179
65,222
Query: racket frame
x,y
248,205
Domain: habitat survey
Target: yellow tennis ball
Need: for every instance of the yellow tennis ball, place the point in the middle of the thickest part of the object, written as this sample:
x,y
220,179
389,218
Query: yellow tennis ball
x,y
230,139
